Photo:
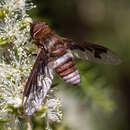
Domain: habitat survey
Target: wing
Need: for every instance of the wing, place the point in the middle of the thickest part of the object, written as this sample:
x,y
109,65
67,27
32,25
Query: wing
x,y
38,84
92,52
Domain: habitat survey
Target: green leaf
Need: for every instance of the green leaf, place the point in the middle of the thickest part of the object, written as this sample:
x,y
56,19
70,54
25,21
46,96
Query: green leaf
x,y
3,43
16,53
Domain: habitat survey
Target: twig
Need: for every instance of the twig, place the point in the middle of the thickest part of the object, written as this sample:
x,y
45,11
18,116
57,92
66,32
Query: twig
x,y
28,120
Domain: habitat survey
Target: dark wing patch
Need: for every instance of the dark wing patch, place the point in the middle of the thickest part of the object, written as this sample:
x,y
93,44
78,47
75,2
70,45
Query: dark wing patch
x,y
38,84
93,52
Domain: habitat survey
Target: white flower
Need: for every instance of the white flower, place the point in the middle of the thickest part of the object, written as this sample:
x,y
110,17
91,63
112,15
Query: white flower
x,y
53,110
16,62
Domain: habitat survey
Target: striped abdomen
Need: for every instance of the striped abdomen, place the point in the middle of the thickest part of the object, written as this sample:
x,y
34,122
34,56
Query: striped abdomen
x,y
66,67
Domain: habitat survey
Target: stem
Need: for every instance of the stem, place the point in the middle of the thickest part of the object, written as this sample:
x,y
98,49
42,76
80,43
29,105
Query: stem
x,y
28,120
47,124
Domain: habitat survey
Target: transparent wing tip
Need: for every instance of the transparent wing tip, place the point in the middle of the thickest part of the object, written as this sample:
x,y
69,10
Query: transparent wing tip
x,y
114,58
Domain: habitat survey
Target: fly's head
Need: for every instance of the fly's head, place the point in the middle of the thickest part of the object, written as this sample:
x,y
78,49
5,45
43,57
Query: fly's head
x,y
39,30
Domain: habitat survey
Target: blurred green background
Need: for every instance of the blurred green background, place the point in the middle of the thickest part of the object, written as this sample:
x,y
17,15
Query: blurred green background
x,y
101,101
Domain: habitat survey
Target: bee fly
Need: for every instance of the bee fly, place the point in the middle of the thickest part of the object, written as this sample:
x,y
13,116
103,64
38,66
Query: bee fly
x,y
56,53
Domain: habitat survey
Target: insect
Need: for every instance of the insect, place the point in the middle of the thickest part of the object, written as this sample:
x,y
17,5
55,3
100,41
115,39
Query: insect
x,y
56,53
